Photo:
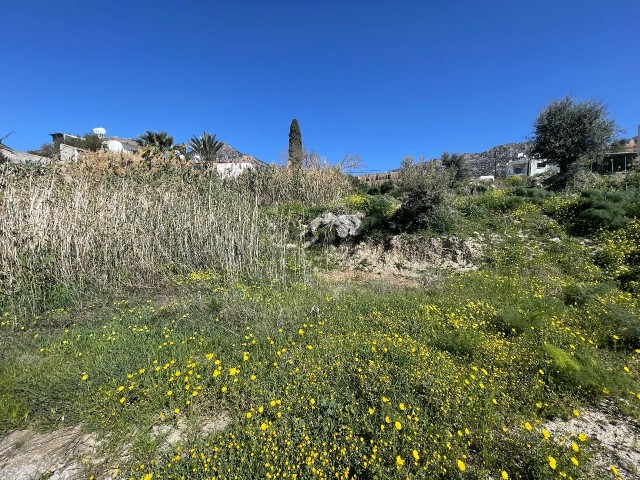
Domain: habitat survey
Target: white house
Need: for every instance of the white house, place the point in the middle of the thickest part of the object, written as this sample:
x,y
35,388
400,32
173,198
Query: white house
x,y
225,169
523,165
115,144
233,170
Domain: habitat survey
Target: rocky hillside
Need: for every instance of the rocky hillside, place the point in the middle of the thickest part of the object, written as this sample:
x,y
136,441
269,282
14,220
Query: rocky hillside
x,y
494,161
491,162
229,154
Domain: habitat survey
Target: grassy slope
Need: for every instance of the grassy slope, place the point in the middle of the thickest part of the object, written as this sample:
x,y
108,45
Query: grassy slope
x,y
382,382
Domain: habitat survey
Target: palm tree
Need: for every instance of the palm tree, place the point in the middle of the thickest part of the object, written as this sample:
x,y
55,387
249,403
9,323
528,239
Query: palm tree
x,y
160,140
205,146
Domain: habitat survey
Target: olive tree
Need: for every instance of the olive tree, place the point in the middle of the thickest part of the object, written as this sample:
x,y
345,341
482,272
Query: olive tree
x,y
566,132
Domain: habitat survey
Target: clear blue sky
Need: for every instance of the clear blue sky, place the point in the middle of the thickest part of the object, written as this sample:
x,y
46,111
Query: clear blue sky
x,y
379,78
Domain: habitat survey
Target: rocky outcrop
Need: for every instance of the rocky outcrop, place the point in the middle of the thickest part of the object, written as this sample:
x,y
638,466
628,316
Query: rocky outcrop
x,y
13,156
343,225
411,255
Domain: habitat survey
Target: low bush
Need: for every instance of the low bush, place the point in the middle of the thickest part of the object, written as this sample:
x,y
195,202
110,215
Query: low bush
x,y
535,195
597,210
427,199
493,201
580,294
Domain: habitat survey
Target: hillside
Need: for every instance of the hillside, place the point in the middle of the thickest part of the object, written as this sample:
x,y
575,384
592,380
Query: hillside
x,y
159,323
229,154
494,161
489,162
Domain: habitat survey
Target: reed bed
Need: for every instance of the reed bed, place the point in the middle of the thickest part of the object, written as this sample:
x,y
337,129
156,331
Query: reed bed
x,y
111,222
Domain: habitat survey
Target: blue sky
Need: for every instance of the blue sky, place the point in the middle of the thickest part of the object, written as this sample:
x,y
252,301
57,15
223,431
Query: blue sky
x,y
379,78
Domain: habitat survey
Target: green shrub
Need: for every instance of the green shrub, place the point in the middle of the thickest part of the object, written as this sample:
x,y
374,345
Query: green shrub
x,y
427,203
535,195
597,210
630,280
493,201
622,327
580,294
515,321
581,371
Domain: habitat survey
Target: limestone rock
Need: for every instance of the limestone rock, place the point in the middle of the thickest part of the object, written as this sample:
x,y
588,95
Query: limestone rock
x,y
343,225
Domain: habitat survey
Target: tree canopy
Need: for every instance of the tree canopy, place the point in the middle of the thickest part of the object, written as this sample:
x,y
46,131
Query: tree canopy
x,y
160,140
205,146
567,131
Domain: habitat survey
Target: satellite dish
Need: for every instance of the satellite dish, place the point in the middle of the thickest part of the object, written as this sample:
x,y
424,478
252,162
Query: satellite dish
x,y
99,131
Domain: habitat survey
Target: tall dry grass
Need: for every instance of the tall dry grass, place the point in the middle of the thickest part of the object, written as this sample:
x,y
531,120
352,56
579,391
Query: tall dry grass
x,y
113,221
312,187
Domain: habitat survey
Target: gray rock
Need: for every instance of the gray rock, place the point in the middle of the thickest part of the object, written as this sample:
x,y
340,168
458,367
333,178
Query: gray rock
x,y
343,225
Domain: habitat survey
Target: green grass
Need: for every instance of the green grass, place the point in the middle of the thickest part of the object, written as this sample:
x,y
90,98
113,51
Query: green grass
x,y
359,380
315,394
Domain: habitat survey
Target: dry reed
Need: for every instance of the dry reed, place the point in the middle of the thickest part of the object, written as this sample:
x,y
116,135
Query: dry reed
x,y
113,221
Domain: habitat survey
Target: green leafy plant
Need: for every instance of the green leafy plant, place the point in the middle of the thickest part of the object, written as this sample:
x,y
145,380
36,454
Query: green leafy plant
x,y
567,131
427,198
206,147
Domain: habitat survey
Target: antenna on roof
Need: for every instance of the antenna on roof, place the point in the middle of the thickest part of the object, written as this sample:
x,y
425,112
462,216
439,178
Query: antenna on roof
x,y
99,131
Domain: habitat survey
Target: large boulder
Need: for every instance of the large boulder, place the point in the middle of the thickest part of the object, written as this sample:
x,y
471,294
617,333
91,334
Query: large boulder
x,y
343,225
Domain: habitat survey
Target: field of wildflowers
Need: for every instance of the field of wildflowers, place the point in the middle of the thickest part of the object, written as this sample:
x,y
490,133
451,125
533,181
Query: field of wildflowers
x,y
367,380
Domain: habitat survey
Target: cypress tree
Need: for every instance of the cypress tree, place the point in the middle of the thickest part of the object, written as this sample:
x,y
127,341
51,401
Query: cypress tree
x,y
295,144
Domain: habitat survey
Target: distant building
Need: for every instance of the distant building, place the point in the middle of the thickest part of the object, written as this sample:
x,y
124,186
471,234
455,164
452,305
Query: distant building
x,y
62,137
115,144
527,166
613,162
70,152
233,170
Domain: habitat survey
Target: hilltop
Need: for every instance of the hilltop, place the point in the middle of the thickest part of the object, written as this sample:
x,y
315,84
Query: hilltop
x,y
228,154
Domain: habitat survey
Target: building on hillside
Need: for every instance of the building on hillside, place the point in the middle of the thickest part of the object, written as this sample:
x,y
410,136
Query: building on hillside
x,y
69,152
230,163
614,162
115,144
63,137
528,166
233,170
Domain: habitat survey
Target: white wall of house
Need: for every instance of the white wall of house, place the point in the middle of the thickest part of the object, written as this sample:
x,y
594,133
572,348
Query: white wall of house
x,y
68,153
116,146
227,170
524,165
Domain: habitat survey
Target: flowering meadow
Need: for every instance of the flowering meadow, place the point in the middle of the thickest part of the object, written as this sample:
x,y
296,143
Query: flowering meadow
x,y
314,378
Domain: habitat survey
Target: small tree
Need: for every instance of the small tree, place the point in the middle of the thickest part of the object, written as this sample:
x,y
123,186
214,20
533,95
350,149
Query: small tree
x,y
206,147
457,168
296,154
566,132
426,200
